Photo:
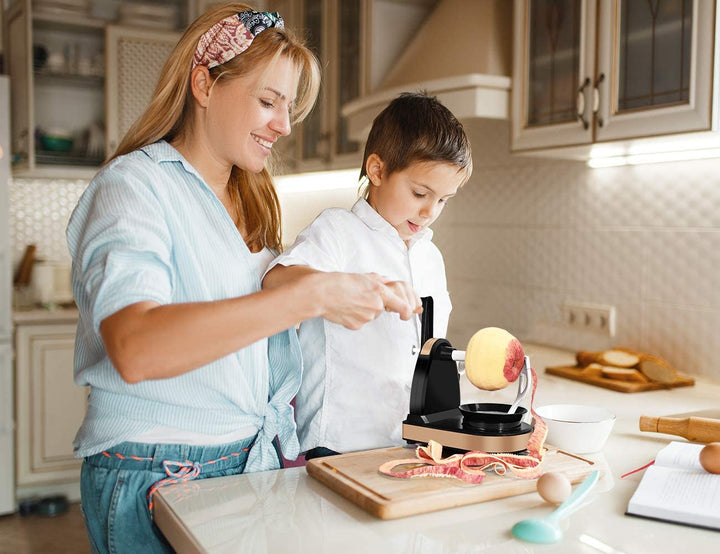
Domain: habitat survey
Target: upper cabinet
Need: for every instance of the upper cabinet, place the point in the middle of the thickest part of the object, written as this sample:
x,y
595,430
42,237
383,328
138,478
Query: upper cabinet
x,y
78,81
135,57
589,72
72,76
336,30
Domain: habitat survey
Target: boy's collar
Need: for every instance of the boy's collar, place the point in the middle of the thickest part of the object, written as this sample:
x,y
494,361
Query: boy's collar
x,y
375,221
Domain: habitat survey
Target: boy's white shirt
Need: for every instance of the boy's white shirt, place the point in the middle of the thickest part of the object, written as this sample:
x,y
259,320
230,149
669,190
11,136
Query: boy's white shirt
x,y
355,390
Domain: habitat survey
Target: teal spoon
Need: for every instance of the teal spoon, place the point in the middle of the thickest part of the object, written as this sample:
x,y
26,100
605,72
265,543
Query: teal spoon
x,y
546,529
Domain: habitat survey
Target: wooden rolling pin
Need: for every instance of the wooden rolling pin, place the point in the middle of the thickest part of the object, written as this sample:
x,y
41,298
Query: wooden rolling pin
x,y
696,429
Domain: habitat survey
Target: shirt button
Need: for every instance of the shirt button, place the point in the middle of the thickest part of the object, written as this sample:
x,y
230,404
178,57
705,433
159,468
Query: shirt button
x,y
414,349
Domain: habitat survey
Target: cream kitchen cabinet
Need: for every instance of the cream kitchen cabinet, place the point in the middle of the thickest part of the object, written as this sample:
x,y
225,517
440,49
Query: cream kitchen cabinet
x,y
135,58
80,75
49,406
350,38
590,72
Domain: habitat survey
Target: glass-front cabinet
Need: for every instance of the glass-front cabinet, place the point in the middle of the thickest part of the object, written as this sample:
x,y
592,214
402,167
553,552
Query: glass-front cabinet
x,y
591,71
80,75
336,31
58,61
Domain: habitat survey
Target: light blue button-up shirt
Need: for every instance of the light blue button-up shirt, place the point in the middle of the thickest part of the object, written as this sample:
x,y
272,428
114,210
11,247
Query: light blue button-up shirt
x,y
149,228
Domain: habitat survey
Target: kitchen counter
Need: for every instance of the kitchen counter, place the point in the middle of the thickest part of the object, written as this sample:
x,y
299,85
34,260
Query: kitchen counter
x,y
286,510
41,316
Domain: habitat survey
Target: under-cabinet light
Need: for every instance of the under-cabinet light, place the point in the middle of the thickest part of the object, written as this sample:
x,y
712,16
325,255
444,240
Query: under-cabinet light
x,y
654,157
654,151
317,181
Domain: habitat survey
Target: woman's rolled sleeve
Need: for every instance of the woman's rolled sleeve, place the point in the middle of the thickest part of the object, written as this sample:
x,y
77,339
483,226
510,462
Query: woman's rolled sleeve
x,y
125,249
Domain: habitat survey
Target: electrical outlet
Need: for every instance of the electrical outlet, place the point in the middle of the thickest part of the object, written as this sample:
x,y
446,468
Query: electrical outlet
x,y
598,318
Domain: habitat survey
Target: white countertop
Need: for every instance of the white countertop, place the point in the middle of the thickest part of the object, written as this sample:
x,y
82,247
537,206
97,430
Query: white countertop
x,y
288,511
41,316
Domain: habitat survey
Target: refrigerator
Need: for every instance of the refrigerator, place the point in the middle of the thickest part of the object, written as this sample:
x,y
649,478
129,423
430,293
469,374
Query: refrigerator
x,y
7,416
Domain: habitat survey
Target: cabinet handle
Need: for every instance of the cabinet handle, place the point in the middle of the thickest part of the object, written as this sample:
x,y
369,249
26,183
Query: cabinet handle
x,y
596,98
582,91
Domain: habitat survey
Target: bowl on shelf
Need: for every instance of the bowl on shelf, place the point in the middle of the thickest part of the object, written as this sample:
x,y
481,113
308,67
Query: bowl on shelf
x,y
56,142
576,428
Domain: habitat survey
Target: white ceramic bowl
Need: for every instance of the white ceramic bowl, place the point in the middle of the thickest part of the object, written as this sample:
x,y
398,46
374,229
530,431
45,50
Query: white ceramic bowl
x,y
576,428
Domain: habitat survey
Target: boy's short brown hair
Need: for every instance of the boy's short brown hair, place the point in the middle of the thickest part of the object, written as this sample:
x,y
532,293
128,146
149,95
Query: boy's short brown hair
x,y
416,127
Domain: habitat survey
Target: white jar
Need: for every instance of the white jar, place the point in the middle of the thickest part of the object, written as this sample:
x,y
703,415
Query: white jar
x,y
51,282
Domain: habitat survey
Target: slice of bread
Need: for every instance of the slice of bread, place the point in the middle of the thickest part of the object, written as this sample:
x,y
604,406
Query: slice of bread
x,y
658,370
593,370
623,374
585,358
619,358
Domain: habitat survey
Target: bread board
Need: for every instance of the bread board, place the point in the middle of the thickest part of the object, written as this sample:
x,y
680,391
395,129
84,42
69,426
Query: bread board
x,y
355,476
576,374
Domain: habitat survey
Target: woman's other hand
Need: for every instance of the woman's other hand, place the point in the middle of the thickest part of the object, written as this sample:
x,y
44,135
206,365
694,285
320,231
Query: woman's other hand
x,y
399,296
348,299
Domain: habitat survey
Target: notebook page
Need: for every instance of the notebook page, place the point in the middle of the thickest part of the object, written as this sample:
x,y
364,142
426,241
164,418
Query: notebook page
x,y
677,488
681,455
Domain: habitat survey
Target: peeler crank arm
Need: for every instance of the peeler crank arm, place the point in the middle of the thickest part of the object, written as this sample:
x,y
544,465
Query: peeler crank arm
x,y
459,357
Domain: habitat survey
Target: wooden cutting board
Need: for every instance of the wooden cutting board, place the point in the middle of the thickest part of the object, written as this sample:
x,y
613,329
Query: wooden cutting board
x,y
355,476
576,374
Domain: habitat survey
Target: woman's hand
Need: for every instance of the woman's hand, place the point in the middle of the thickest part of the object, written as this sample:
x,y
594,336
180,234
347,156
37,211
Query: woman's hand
x,y
399,296
348,299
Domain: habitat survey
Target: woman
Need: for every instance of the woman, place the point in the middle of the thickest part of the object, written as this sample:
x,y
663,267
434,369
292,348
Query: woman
x,y
191,367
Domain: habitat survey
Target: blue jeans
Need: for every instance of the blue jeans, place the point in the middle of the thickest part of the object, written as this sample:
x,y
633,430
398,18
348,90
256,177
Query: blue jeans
x,y
115,484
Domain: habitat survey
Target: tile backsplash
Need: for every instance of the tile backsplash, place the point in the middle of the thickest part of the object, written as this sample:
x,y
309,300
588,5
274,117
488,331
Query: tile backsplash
x,y
527,234
39,212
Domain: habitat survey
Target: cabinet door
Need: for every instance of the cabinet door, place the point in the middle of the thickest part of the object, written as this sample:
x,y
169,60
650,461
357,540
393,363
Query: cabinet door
x,y
135,57
18,60
553,70
7,461
314,142
350,73
336,31
50,407
5,252
655,67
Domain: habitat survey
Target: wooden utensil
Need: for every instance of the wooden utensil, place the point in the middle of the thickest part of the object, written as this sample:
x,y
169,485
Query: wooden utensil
x,y
24,271
695,429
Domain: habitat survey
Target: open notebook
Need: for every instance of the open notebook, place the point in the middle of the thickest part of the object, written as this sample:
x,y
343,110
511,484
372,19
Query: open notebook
x,y
677,489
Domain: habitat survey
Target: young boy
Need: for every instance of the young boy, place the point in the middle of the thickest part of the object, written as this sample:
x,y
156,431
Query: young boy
x,y
356,383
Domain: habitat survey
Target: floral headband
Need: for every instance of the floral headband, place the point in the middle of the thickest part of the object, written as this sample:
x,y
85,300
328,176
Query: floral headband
x,y
232,36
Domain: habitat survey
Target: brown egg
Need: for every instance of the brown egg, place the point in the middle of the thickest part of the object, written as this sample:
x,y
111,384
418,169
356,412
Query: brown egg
x,y
554,487
710,457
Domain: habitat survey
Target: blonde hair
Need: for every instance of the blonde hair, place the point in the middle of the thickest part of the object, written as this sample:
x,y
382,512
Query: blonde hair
x,y
169,113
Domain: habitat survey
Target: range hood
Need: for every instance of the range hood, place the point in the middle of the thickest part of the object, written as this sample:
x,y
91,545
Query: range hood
x,y
462,54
